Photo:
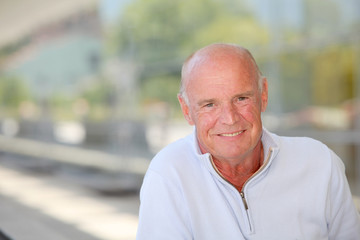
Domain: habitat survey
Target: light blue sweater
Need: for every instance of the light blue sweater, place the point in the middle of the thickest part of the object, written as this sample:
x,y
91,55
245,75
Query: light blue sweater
x,y
301,192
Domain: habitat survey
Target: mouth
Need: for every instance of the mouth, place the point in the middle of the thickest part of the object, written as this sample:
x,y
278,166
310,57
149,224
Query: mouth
x,y
231,134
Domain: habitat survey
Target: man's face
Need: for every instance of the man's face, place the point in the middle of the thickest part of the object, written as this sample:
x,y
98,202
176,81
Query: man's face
x,y
225,105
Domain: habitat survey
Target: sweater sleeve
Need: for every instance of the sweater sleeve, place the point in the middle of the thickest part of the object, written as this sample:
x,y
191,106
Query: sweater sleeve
x,y
162,214
343,218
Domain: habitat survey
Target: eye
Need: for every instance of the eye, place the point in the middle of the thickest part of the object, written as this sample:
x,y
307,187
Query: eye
x,y
240,99
209,105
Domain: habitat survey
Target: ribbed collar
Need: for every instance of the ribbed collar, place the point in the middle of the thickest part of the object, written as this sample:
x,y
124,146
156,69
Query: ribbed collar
x,y
269,141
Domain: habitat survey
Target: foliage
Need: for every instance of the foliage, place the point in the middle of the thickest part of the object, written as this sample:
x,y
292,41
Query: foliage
x,y
13,92
295,86
100,98
323,76
313,66
158,35
93,102
153,90
100,92
333,80
155,30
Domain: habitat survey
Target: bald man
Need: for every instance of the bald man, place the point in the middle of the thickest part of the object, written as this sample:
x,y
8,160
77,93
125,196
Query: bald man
x,y
233,179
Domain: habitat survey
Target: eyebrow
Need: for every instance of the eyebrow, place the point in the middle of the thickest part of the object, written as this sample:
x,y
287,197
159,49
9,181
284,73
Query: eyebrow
x,y
205,101
244,94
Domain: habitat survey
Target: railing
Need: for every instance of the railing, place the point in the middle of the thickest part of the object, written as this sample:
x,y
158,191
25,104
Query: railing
x,y
73,155
136,165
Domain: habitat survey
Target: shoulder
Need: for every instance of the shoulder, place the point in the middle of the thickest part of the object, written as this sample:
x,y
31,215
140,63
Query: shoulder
x,y
303,150
303,145
309,159
174,155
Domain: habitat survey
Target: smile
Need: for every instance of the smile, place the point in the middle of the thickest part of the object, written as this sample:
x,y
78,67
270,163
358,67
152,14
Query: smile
x,y
231,134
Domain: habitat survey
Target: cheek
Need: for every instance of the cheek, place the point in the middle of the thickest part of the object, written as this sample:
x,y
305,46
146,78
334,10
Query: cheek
x,y
250,113
205,121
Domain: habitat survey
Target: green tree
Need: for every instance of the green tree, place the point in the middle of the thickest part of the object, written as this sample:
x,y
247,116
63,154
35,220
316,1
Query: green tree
x,y
151,92
159,35
101,97
13,91
332,75
155,30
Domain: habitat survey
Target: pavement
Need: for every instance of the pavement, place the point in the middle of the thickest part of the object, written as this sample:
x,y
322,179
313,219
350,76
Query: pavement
x,y
46,201
21,222
36,207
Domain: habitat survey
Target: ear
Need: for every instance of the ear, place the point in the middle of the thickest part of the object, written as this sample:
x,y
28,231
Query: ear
x,y
264,95
185,110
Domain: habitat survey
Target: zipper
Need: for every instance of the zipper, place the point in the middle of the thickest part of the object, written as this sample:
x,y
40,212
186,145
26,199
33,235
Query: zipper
x,y
242,193
244,200
259,170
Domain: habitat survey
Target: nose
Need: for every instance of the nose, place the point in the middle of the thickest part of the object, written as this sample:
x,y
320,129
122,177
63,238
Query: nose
x,y
229,114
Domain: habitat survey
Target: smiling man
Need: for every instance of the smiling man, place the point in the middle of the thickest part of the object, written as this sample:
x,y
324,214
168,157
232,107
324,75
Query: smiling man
x,y
231,178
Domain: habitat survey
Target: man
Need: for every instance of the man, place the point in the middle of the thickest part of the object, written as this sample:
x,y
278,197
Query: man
x,y
232,179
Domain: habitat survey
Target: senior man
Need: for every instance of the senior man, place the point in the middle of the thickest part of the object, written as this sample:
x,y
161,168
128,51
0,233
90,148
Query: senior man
x,y
233,179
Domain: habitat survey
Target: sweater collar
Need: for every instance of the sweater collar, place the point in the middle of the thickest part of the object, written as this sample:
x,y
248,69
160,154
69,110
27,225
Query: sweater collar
x,y
269,140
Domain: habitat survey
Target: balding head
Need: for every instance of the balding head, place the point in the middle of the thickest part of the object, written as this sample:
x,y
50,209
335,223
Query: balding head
x,y
212,54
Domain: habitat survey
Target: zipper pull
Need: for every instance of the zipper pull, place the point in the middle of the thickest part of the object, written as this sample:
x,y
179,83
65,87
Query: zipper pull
x,y
244,200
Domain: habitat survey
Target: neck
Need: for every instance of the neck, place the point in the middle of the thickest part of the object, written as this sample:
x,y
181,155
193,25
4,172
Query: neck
x,y
237,174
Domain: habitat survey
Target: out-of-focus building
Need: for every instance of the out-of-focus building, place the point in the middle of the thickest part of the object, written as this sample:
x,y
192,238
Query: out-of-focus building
x,y
51,45
21,18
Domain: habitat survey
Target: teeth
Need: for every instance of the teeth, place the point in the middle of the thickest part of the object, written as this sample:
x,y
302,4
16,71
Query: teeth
x,y
231,134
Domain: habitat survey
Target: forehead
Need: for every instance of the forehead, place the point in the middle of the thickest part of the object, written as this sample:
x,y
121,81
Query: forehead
x,y
230,70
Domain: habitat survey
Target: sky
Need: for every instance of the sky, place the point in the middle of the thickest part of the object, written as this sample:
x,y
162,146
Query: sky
x,y
110,9
285,13
291,10
288,13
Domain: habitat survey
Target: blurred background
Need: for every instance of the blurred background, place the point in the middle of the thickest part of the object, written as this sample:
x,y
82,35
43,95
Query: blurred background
x,y
88,96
